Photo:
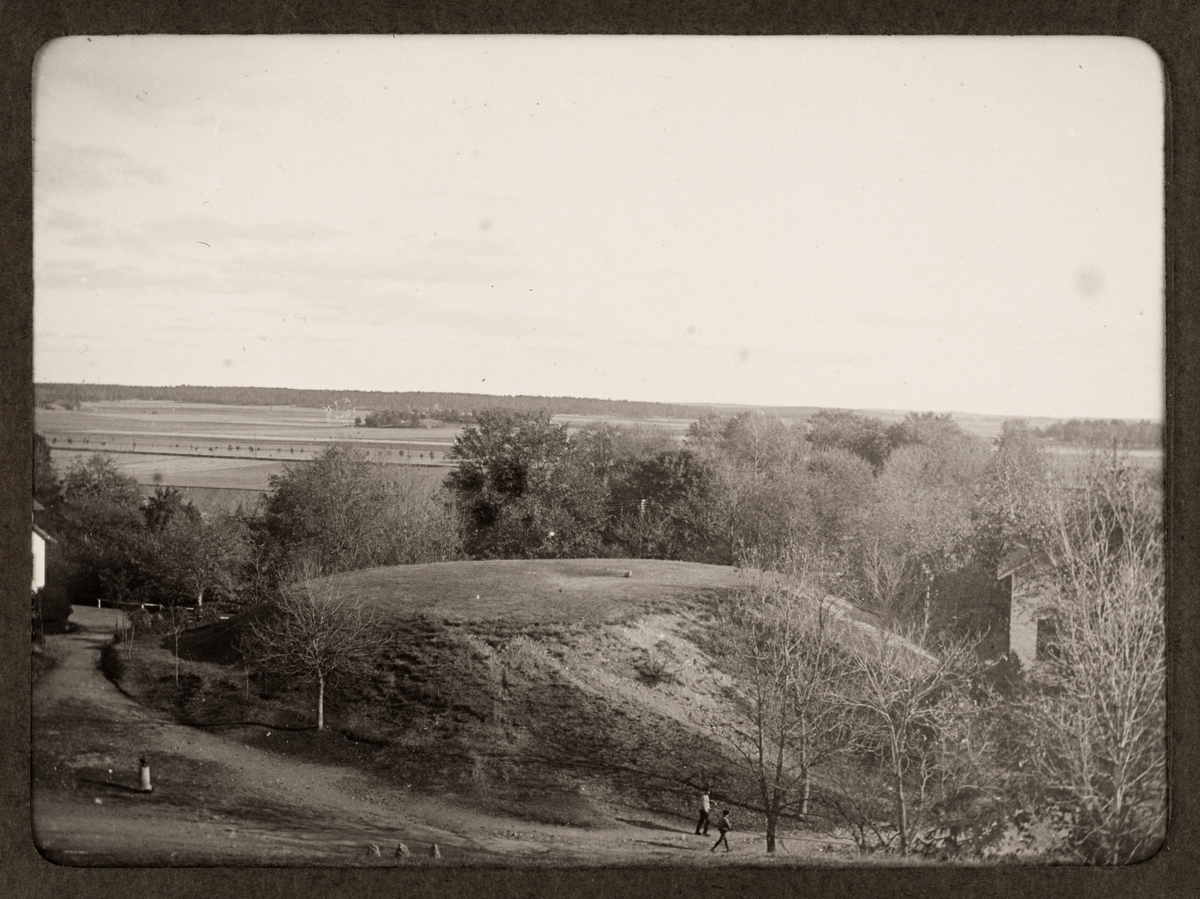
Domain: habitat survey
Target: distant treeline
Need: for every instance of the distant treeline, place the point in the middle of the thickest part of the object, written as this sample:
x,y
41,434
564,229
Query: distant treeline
x,y
440,406
1102,433
413,418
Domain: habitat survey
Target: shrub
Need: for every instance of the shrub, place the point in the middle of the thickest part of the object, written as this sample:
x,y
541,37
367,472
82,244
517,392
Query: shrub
x,y
112,663
658,665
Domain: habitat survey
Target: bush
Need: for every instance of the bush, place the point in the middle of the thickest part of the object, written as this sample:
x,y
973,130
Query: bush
x,y
658,665
112,663
50,610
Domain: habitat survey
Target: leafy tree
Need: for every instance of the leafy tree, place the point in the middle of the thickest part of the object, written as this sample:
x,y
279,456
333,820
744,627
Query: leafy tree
x,y
314,633
560,515
759,443
98,525
863,435
920,524
612,451
925,428
755,497
187,559
1102,434
342,512
167,505
838,488
523,490
666,507
1014,495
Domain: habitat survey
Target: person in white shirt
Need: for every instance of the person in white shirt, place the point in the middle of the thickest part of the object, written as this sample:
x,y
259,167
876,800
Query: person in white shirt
x,y
702,824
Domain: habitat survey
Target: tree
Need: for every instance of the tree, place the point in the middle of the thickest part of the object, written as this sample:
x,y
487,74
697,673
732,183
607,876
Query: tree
x,y
788,676
166,506
838,487
560,516
314,633
177,619
523,490
660,507
760,443
863,435
919,526
611,451
1101,722
1014,505
914,713
342,512
98,525
755,498
188,558
925,428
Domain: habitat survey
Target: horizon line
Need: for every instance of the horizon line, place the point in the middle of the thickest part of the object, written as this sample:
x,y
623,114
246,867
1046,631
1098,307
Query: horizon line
x,y
535,396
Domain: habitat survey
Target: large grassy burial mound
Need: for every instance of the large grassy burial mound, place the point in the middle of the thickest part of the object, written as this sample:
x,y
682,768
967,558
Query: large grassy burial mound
x,y
560,691
536,591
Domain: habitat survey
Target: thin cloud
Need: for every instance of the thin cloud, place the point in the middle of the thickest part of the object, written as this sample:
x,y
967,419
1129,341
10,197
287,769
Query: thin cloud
x,y
63,167
212,228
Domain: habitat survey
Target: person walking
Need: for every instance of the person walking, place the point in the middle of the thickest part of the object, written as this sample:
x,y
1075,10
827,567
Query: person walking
x,y
724,826
702,824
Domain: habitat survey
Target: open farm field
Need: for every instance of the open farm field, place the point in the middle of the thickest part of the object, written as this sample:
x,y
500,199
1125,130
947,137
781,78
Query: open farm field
x,y
224,455
1077,456
212,483
274,432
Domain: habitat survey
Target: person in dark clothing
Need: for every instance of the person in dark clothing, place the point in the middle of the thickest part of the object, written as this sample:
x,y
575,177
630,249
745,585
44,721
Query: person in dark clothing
x,y
724,826
702,824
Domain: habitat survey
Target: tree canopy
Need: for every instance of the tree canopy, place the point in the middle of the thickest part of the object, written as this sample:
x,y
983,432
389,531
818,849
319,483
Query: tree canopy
x,y
525,488
341,512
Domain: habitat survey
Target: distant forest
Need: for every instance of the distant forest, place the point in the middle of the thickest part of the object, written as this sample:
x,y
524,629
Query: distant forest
x,y
402,405
411,408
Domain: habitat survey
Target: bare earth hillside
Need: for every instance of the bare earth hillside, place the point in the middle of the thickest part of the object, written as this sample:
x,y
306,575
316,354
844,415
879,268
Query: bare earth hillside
x,y
543,712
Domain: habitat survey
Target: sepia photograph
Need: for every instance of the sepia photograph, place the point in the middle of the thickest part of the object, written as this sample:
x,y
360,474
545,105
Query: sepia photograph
x,y
598,451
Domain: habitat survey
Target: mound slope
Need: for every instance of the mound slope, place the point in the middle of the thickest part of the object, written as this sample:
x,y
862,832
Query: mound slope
x,y
579,693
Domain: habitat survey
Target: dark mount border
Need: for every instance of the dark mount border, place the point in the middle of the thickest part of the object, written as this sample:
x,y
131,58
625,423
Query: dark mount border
x,y
1171,27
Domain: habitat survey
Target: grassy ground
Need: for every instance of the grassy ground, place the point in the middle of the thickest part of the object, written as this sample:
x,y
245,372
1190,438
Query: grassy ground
x,y
516,591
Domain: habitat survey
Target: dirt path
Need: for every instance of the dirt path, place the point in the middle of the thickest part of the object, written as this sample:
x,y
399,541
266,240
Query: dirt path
x,y
218,801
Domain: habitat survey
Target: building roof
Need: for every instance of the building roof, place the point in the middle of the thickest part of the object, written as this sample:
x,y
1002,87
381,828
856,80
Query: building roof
x,y
43,534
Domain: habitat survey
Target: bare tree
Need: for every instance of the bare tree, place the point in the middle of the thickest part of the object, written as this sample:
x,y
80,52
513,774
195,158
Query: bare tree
x,y
1103,718
787,672
912,710
315,633
177,618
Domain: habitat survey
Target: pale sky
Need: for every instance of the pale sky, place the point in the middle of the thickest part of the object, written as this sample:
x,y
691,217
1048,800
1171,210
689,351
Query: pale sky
x,y
949,224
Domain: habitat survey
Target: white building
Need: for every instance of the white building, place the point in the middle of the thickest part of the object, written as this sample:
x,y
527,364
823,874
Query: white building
x,y
40,539
1027,579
